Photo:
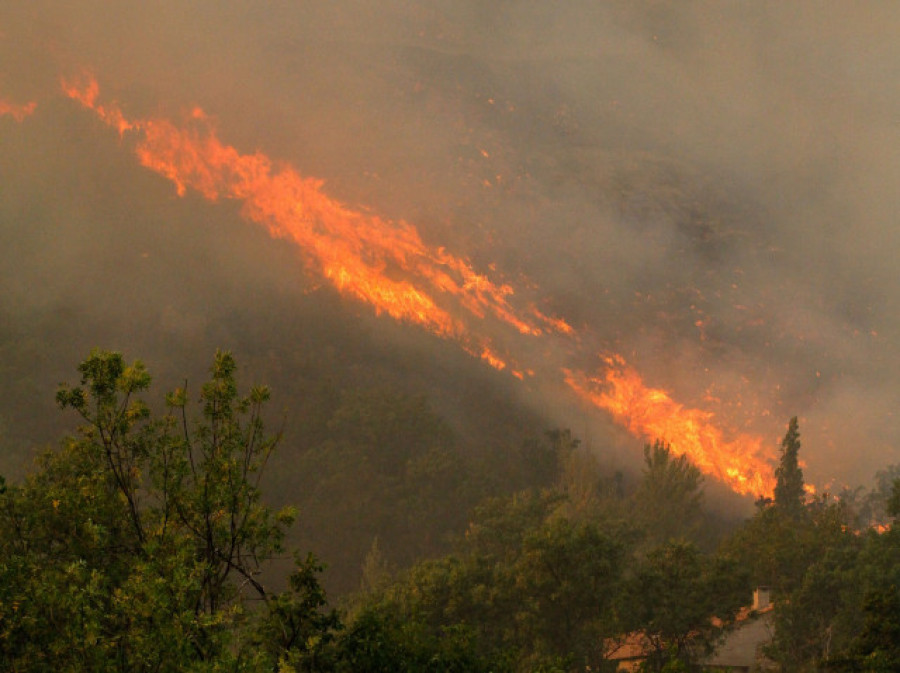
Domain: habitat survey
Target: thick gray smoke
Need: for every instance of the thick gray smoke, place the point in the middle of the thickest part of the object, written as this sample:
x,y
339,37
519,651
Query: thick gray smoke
x,y
709,187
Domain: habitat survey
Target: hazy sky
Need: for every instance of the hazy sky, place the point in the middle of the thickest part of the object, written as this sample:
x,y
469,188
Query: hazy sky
x,y
709,188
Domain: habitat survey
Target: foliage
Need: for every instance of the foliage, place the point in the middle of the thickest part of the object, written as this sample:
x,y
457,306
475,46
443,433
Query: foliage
x,y
873,506
527,584
387,467
871,620
379,642
668,500
833,582
140,545
775,549
789,491
893,503
815,621
877,648
136,546
681,601
297,629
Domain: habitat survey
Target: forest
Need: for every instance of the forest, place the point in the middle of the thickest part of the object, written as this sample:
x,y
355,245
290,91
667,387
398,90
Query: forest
x,y
147,541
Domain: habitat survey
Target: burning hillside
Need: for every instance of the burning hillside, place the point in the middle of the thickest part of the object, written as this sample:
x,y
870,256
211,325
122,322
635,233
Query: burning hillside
x,y
17,112
388,266
681,220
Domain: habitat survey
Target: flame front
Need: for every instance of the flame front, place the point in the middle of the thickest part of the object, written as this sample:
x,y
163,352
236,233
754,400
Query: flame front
x,y
652,414
386,265
17,112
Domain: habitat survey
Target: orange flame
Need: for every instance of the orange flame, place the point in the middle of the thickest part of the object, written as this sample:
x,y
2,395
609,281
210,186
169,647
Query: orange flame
x,y
652,414
558,324
361,254
386,265
17,112
492,359
87,96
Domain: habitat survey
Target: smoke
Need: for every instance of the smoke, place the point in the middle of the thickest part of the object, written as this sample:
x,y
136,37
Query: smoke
x,y
708,187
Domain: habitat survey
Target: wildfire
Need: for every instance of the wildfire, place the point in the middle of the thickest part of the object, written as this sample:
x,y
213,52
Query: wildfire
x,y
491,358
387,265
362,255
651,413
17,112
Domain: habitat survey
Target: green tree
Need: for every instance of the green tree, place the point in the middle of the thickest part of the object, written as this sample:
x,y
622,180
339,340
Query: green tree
x,y
833,583
381,642
893,503
776,550
877,648
817,618
297,630
134,547
873,505
568,575
527,585
668,501
388,468
681,601
789,491
868,627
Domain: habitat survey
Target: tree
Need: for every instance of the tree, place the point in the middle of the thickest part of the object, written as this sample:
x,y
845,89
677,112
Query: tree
x,y
873,506
527,585
869,624
297,630
893,503
668,500
380,642
387,468
817,618
568,575
778,549
789,491
135,546
877,648
681,601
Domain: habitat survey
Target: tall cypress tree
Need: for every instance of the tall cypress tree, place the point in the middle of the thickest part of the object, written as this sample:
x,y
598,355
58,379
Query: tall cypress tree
x,y
789,492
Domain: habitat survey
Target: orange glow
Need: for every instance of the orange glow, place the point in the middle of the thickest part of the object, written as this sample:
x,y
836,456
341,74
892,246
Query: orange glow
x,y
652,414
17,112
488,356
87,96
557,324
386,265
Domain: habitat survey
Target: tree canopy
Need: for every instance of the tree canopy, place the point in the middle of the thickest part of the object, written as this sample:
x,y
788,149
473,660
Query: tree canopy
x,y
145,543
139,545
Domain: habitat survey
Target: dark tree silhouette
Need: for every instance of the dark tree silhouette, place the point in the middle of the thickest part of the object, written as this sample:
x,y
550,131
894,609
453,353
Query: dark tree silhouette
x,y
789,492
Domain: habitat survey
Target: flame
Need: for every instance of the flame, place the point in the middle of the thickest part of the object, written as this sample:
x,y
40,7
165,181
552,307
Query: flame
x,y
363,255
87,96
557,324
491,358
17,112
387,265
651,413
